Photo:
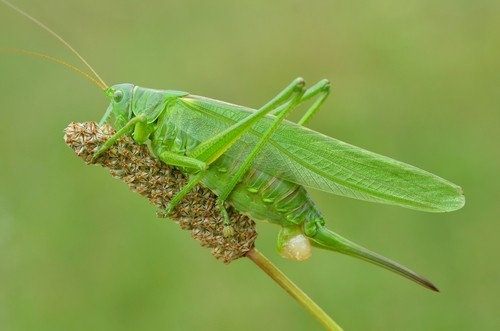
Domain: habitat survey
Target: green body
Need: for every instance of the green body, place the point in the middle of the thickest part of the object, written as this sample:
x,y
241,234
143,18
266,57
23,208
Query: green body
x,y
187,121
260,163
263,197
180,122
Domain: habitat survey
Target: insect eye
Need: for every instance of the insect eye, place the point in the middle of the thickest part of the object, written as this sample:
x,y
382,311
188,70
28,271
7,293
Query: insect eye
x,y
118,96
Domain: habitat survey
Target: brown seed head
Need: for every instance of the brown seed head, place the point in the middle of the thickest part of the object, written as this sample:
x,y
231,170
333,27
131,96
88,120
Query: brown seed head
x,y
159,182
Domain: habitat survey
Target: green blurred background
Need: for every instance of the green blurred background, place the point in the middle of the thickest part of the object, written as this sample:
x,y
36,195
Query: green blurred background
x,y
415,80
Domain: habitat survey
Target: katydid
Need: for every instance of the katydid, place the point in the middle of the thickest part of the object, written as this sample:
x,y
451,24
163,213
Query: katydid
x,y
261,163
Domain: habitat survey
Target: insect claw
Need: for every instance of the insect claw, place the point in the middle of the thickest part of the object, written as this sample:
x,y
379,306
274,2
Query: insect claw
x,y
96,155
93,159
161,213
228,231
168,210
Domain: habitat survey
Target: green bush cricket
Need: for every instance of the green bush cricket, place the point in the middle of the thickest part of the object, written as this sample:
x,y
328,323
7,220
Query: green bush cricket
x,y
261,164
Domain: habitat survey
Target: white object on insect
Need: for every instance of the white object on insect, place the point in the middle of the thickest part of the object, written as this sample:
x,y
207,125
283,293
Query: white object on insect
x,y
296,248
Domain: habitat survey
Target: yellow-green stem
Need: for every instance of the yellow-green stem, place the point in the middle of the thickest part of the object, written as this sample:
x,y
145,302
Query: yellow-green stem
x,y
279,277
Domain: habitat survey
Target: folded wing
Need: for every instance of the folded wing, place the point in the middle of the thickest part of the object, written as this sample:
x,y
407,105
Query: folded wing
x,y
314,160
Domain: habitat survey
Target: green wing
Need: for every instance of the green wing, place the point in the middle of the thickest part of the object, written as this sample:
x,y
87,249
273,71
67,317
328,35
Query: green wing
x,y
303,156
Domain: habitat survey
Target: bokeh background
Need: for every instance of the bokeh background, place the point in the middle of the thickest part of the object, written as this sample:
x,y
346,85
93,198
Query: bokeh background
x,y
415,80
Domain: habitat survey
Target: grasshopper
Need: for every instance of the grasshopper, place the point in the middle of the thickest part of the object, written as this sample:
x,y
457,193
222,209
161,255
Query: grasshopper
x,y
261,163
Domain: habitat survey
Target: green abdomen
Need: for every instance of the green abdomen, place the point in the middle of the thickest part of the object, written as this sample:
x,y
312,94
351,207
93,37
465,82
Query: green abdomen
x,y
261,196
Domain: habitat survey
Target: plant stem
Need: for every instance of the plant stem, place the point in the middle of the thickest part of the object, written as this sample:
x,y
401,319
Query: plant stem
x,y
279,277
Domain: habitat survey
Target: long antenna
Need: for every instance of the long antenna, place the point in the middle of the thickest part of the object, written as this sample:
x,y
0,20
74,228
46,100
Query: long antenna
x,y
55,35
58,61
